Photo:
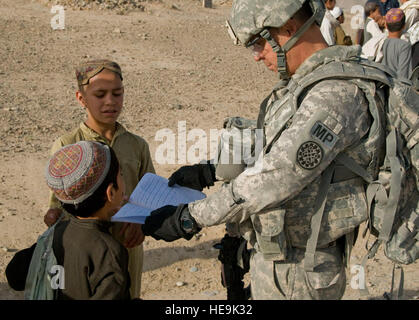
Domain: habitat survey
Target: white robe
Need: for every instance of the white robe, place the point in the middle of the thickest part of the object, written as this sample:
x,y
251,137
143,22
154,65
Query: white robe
x,y
412,35
372,49
373,28
411,11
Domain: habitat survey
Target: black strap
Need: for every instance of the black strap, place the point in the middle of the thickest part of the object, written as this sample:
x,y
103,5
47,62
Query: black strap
x,y
262,109
262,112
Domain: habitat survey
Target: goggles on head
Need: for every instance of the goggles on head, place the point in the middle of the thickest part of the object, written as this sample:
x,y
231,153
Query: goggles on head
x,y
231,33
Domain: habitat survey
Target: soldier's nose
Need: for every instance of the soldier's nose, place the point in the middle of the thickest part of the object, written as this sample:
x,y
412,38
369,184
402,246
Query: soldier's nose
x,y
257,56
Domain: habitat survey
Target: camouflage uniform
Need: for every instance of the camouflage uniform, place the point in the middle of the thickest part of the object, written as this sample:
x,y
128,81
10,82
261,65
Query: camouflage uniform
x,y
274,205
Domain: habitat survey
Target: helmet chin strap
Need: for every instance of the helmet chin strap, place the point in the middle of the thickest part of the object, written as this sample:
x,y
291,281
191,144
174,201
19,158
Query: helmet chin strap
x,y
281,51
280,54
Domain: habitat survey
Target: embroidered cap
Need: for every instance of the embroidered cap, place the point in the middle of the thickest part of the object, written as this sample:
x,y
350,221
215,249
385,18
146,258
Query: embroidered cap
x,y
76,171
394,15
89,69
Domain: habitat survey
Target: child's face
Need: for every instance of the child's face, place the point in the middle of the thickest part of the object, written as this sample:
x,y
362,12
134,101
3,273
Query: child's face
x,y
330,4
376,15
103,97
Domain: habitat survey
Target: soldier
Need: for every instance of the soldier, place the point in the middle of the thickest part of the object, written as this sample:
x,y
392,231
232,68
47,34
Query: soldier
x,y
297,205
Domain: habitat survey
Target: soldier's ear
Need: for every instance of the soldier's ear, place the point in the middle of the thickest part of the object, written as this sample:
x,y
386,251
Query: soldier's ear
x,y
290,27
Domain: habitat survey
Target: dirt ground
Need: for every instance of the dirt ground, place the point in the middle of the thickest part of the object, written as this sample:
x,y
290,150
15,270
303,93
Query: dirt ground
x,y
179,64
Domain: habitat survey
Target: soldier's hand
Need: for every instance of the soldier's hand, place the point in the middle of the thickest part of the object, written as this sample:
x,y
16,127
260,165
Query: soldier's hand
x,y
165,224
195,177
52,216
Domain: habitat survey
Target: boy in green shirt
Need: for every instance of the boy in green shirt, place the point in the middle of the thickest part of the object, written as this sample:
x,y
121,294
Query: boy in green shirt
x,y
101,93
86,178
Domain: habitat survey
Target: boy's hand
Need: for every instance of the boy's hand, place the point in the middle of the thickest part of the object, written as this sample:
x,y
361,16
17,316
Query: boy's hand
x,y
381,22
52,216
133,235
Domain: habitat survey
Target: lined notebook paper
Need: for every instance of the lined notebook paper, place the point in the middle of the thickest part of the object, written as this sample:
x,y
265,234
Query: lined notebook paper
x,y
152,193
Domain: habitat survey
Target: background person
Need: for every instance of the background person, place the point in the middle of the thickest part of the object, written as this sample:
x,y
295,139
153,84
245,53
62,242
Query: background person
x,y
329,23
372,28
386,5
360,32
397,53
411,11
340,37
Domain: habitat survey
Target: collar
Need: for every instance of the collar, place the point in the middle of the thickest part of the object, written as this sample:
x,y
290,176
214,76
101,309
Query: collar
x,y
90,223
90,134
334,53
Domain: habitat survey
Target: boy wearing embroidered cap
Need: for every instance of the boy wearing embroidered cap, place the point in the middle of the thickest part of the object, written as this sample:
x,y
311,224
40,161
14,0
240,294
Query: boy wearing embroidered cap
x,y
100,93
85,177
397,53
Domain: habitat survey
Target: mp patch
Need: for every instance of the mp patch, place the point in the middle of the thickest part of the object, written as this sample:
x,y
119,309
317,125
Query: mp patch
x,y
324,135
309,155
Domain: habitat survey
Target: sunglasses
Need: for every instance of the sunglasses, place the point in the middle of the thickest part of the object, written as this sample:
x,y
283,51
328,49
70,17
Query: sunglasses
x,y
256,44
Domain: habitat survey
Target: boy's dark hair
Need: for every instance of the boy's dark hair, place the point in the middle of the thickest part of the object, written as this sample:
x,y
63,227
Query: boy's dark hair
x,y
370,7
396,26
97,200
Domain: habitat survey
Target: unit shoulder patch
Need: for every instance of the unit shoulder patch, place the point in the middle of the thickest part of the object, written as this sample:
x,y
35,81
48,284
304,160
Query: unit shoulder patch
x,y
309,155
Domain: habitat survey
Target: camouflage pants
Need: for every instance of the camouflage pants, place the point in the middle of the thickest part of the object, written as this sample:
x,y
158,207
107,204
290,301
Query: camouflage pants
x,y
287,280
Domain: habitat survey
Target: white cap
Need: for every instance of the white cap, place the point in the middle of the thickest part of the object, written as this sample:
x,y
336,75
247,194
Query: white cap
x,y
336,12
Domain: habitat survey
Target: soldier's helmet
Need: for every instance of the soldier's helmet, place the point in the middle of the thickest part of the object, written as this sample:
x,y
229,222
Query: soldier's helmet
x,y
250,17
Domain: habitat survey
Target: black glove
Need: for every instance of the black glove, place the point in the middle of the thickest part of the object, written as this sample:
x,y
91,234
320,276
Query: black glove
x,y
195,177
170,223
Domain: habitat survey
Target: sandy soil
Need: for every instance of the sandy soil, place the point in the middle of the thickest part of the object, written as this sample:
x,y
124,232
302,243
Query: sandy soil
x,y
179,65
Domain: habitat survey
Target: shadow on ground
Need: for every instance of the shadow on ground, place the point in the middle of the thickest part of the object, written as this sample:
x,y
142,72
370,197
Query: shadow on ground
x,y
407,295
7,293
162,257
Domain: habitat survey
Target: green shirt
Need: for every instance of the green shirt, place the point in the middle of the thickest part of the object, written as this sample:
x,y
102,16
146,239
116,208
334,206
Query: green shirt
x,y
95,264
132,151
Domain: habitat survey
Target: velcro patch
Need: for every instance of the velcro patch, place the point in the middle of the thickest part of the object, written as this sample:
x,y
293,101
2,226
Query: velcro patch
x,y
309,155
324,135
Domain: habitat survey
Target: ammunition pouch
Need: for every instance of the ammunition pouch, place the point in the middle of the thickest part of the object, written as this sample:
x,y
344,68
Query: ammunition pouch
x,y
235,148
